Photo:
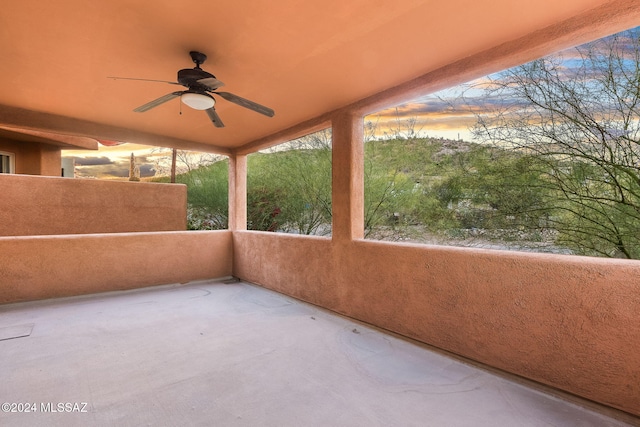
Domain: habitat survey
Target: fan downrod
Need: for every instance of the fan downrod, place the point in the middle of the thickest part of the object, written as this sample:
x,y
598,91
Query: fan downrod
x,y
198,57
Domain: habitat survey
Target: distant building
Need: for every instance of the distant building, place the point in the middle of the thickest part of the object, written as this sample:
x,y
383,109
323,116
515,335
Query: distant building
x,y
34,152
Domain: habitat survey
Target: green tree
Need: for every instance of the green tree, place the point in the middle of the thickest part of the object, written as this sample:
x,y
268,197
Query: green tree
x,y
577,114
289,189
513,188
389,187
207,196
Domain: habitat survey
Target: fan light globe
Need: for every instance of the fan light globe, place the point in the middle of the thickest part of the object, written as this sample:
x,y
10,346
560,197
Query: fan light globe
x,y
197,101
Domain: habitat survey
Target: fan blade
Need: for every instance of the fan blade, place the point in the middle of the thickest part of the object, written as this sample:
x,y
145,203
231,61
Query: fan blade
x,y
246,103
211,83
156,102
214,117
144,80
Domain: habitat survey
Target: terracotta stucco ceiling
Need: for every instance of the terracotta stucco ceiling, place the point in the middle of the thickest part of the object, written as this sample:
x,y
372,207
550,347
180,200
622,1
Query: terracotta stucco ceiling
x,y
300,58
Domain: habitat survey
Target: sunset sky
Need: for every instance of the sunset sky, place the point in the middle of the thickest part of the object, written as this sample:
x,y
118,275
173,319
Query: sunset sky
x,y
113,162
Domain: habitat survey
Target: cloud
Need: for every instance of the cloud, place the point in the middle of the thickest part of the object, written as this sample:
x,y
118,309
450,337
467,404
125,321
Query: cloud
x,y
433,110
147,171
115,171
114,168
92,161
102,171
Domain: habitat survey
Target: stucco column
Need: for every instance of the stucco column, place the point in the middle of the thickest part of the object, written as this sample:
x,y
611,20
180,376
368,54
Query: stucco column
x,y
347,177
237,192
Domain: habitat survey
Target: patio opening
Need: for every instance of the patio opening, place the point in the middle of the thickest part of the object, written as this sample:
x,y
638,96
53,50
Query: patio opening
x,y
543,157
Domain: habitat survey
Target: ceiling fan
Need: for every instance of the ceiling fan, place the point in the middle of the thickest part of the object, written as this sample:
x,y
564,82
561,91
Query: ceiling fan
x,y
201,86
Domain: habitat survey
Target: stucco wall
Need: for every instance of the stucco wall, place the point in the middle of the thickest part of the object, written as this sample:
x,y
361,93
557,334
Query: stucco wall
x,y
38,205
568,322
34,158
39,267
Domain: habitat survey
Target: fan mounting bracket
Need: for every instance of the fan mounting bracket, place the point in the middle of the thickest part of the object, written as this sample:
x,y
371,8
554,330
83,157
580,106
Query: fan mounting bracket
x,y
198,58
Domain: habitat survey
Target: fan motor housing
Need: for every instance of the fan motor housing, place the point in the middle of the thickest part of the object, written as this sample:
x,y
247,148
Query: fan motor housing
x,y
189,77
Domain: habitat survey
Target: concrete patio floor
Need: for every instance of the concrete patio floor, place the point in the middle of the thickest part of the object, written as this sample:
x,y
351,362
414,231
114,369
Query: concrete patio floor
x,y
234,354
